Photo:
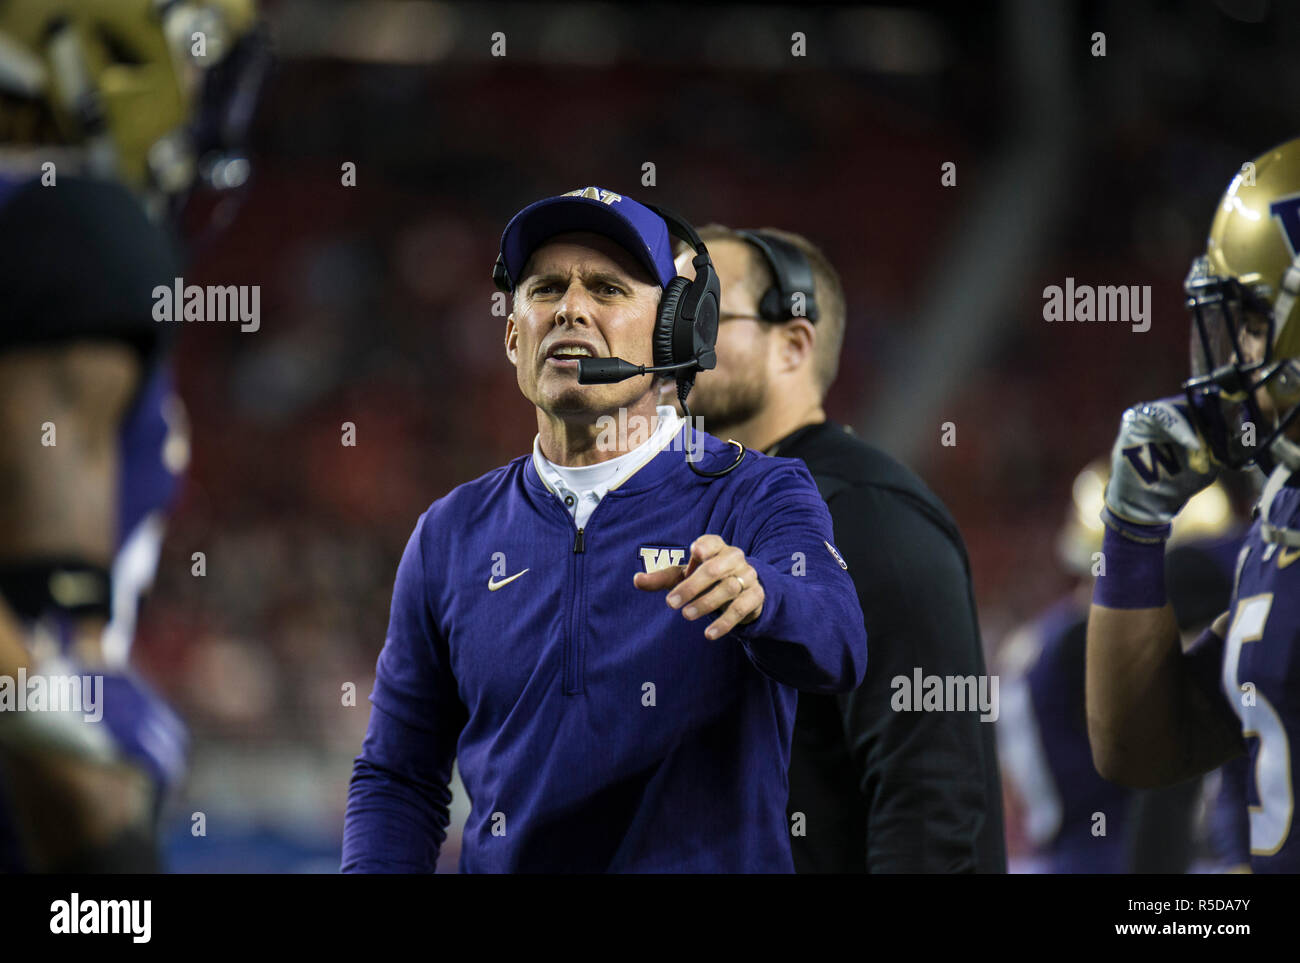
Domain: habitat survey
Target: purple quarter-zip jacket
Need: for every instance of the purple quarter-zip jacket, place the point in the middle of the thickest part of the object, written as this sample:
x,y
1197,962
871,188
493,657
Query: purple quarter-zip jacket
x,y
596,729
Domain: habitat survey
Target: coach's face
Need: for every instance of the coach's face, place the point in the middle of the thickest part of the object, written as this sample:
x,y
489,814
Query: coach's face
x,y
737,389
581,292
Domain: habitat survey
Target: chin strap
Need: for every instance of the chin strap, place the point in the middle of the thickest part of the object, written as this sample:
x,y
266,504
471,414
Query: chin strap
x,y
1287,453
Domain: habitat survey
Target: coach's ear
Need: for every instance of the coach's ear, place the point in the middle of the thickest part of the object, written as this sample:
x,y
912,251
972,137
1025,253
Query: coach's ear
x,y
794,343
512,339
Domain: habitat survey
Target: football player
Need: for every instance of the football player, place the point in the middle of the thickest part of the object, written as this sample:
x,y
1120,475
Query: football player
x,y
1156,715
109,114
1042,729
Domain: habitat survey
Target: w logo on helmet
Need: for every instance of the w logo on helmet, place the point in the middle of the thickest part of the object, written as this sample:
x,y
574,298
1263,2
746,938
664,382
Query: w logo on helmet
x,y
1287,212
1157,455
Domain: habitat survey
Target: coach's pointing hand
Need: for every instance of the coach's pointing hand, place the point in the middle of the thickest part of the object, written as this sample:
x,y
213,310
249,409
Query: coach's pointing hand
x,y
716,579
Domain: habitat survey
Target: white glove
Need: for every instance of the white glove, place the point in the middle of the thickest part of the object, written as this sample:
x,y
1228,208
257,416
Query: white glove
x,y
1158,463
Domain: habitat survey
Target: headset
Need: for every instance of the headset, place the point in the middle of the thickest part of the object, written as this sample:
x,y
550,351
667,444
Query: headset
x,y
685,331
686,327
793,275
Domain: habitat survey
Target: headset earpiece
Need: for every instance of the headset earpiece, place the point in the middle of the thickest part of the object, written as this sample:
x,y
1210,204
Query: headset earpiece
x,y
701,307
791,274
666,323
686,328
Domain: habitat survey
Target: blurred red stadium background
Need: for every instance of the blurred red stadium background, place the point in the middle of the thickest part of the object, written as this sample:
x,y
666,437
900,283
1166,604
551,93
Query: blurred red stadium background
x,y
376,299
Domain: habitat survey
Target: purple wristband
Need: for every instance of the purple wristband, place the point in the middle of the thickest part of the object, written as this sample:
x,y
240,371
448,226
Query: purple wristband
x,y
1132,573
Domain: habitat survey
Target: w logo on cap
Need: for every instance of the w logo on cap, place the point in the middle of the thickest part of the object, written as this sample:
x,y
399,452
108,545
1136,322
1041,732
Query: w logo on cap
x,y
595,194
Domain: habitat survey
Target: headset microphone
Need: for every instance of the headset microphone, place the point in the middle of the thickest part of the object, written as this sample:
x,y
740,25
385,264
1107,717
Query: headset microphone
x,y
608,371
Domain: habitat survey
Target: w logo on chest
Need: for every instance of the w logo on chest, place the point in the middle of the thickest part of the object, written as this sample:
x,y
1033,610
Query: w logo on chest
x,y
656,558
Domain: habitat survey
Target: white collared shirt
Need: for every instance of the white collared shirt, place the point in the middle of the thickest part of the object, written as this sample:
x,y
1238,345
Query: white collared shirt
x,y
582,488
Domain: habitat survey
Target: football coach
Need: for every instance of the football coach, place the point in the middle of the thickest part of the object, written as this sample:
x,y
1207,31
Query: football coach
x,y
876,788
607,633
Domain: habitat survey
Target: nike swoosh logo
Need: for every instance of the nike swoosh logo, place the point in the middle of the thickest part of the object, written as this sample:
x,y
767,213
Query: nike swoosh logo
x,y
1286,556
493,586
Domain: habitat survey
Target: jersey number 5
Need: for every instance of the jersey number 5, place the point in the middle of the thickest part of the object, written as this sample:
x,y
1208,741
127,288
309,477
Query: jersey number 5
x,y
1270,821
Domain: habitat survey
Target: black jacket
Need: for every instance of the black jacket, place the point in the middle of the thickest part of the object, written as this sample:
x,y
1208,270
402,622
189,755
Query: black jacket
x,y
881,790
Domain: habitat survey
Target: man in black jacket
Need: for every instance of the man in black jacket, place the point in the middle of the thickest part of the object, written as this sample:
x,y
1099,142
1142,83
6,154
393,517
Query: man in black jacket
x,y
875,786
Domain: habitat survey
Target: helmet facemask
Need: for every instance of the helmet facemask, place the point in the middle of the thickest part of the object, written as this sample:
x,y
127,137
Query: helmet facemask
x,y
1231,359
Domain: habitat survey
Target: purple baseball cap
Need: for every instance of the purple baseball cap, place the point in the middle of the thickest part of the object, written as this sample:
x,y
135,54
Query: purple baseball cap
x,y
616,216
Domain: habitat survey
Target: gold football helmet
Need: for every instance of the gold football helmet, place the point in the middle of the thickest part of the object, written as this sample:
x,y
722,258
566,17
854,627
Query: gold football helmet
x,y
124,89
1245,326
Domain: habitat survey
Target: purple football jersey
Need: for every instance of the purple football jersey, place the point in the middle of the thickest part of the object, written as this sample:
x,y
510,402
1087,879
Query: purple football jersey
x,y
1261,681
